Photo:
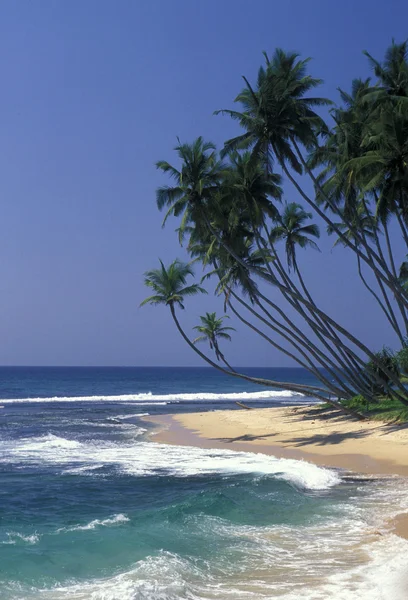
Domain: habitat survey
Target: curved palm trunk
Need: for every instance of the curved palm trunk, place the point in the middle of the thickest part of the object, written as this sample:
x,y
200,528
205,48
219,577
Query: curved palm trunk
x,y
327,320
350,365
402,307
220,356
389,315
311,368
296,305
402,226
340,368
380,283
372,257
303,389
292,338
356,377
341,353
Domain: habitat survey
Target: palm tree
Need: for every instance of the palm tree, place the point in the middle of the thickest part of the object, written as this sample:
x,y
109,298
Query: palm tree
x,y
383,167
277,112
212,330
343,143
195,183
367,225
170,288
228,230
247,182
224,207
278,118
393,73
294,231
355,173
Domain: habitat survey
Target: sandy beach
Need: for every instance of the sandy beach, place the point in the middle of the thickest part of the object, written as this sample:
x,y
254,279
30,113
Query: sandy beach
x,y
325,438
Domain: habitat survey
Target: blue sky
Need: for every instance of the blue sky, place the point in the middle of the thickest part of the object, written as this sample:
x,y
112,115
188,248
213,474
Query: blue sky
x,y
92,94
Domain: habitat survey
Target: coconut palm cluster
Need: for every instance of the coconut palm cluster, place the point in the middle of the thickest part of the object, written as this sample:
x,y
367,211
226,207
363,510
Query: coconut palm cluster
x,y
345,171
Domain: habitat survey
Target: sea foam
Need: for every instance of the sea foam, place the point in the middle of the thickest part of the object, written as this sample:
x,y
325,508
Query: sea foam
x,y
168,576
148,458
114,520
145,398
13,537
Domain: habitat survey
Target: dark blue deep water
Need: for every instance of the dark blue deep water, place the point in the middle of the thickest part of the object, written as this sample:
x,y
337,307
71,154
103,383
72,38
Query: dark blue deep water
x,y
31,382
92,508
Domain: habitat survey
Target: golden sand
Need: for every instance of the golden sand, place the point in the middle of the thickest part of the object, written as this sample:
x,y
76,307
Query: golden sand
x,y
326,438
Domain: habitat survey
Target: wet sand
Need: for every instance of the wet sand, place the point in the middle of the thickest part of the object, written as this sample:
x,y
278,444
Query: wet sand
x,y
326,438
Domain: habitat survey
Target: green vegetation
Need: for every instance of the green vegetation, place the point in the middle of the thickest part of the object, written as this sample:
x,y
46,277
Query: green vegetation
x,y
384,409
234,220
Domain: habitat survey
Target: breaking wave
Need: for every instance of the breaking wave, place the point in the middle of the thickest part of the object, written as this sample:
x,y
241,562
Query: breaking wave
x,y
148,458
156,399
116,519
169,576
14,537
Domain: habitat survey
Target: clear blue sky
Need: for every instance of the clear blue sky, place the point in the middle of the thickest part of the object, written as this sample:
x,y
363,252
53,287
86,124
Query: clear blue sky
x,y
92,94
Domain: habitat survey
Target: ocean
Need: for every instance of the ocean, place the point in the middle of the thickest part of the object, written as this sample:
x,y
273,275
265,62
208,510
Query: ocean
x,y
92,508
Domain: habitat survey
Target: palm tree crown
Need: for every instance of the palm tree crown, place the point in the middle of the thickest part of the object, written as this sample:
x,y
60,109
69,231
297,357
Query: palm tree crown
x,y
212,330
278,111
293,230
195,182
393,72
169,285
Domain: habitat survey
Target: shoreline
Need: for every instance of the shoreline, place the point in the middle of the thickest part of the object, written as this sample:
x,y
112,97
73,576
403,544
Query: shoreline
x,y
369,448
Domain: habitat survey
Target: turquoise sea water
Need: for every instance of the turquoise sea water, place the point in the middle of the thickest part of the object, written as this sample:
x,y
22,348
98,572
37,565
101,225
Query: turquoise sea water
x,y
92,509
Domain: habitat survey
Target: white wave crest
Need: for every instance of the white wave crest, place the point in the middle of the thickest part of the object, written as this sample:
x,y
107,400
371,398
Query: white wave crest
x,y
148,458
13,537
124,417
156,399
120,518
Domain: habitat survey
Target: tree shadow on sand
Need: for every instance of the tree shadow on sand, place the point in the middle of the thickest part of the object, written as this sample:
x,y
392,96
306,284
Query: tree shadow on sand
x,y
319,418
329,439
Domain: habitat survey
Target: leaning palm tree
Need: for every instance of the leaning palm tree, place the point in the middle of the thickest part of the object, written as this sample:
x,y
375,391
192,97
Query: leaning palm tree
x,y
293,229
170,287
278,117
211,330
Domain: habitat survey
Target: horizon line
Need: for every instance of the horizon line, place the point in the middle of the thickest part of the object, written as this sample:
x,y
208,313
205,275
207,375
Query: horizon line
x,y
136,367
